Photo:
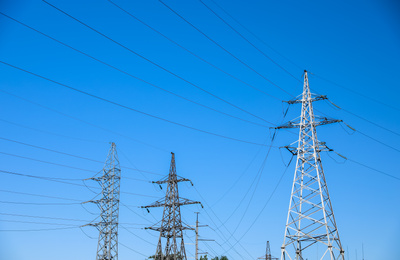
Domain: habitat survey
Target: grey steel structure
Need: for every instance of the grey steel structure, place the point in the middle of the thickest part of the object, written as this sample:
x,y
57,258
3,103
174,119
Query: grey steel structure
x,y
171,227
310,221
268,255
107,247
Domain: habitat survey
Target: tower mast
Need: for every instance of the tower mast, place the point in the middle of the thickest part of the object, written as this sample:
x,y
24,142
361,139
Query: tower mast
x,y
171,224
310,219
107,247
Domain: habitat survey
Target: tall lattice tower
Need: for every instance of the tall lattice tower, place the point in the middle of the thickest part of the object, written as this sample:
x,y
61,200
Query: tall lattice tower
x,y
171,227
310,221
107,247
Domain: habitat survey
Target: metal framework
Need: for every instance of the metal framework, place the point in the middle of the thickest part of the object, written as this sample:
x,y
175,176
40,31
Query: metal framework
x,y
310,221
107,247
171,227
268,255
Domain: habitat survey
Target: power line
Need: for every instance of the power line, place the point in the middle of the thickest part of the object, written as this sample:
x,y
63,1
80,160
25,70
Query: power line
x,y
33,230
249,42
190,52
82,121
61,180
216,216
129,108
40,203
155,64
263,208
30,216
49,133
371,168
372,138
257,181
356,92
52,163
220,46
138,236
258,38
72,155
130,75
132,249
67,166
38,195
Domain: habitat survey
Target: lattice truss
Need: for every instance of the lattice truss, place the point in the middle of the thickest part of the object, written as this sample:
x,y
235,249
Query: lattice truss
x,y
310,220
107,247
171,226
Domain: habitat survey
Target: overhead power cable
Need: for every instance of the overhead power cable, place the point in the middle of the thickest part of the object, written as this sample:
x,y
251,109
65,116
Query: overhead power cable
x,y
82,121
67,166
220,46
376,170
256,181
129,108
220,234
131,75
72,155
52,163
40,203
38,195
249,42
49,133
61,180
372,138
262,209
357,93
43,217
156,64
369,121
258,38
33,230
190,52
133,250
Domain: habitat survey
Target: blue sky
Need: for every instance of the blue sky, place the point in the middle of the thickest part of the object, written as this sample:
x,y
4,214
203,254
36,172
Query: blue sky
x,y
353,44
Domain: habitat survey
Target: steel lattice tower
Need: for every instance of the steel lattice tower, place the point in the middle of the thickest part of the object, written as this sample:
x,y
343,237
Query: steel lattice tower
x,y
310,219
171,227
268,255
107,247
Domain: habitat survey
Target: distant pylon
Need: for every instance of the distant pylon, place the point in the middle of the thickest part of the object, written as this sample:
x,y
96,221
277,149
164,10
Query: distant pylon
x,y
268,252
268,255
310,218
107,247
171,227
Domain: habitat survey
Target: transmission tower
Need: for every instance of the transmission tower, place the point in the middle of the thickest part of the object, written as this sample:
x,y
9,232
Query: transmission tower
x,y
310,219
171,227
268,255
107,247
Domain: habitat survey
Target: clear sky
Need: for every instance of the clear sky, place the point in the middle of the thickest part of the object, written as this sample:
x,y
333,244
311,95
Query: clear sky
x,y
350,48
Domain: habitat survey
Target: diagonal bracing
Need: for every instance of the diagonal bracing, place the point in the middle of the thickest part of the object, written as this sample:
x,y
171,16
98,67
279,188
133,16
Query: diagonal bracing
x,y
310,220
171,227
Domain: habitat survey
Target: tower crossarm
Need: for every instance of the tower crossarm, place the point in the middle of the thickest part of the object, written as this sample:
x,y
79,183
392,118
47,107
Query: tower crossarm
x,y
162,203
103,177
318,121
322,147
300,99
167,180
167,229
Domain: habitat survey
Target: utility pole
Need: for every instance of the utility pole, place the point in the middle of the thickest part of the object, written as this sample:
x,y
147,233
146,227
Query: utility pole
x,y
109,180
362,251
171,224
310,219
197,237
